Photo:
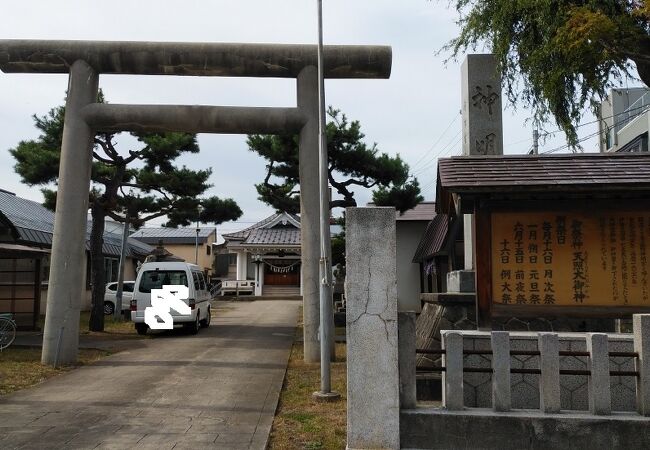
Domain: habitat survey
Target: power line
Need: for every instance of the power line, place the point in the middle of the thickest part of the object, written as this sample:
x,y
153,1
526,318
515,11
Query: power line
x,y
432,183
446,149
454,141
518,142
435,157
451,148
616,124
437,141
558,130
556,149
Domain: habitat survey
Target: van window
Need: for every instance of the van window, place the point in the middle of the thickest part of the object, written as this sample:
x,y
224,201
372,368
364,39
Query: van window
x,y
202,279
197,283
156,279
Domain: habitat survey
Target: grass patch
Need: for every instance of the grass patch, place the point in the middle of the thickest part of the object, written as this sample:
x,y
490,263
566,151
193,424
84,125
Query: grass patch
x,y
113,328
302,422
21,367
117,328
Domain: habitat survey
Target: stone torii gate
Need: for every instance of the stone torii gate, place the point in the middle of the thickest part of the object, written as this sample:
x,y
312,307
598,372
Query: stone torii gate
x,y
86,60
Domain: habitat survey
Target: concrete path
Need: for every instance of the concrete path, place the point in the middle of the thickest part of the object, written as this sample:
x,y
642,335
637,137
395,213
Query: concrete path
x,y
218,389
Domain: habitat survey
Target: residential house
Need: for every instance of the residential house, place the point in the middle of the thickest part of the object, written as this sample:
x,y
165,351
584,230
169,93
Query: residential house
x,y
193,245
26,229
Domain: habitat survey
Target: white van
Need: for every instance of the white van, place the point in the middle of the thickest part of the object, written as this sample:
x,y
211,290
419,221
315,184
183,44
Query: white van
x,y
155,275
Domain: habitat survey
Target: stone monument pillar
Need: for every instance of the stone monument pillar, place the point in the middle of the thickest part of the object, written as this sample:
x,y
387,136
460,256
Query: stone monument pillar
x,y
482,124
481,108
372,329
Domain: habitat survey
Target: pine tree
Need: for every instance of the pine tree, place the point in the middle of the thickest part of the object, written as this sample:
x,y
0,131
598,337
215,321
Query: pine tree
x,y
138,185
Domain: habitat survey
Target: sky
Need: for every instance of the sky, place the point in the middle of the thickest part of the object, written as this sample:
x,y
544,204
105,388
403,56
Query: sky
x,y
415,113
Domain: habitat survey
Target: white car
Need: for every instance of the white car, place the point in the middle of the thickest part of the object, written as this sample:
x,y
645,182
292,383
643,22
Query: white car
x,y
109,297
155,275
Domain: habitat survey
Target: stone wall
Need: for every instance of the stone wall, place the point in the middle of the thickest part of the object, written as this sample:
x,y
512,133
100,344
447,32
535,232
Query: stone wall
x,y
429,428
525,387
457,311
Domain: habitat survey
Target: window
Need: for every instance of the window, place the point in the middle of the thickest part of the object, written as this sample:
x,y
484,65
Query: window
x,y
207,249
128,287
202,280
112,287
156,279
111,267
197,282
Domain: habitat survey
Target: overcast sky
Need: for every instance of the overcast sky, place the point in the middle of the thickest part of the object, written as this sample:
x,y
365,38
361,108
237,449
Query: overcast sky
x,y
405,115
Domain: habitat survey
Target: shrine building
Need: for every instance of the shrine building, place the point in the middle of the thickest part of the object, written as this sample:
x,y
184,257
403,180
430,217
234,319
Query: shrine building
x,y
268,253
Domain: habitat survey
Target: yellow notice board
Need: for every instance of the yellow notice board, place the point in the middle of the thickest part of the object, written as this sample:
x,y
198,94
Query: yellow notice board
x,y
570,259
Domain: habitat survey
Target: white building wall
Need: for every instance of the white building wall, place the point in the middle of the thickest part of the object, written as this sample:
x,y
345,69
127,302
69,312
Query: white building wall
x,y
409,234
612,117
632,130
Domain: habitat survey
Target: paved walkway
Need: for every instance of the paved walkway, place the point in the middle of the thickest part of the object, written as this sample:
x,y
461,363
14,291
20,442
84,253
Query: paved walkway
x,y
218,389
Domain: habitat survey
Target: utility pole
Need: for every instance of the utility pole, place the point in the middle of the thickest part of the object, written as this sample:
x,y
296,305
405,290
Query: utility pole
x,y
196,244
117,313
326,314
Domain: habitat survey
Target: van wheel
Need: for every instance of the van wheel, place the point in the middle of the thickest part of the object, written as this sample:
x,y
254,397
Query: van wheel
x,y
141,328
193,328
205,323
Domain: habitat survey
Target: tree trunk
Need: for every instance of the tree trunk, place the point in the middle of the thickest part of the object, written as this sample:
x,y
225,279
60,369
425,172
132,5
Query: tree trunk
x,y
96,322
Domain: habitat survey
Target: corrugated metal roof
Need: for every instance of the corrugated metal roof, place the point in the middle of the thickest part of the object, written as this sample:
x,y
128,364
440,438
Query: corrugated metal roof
x,y
537,174
434,238
423,211
35,236
168,235
113,244
26,214
273,236
34,224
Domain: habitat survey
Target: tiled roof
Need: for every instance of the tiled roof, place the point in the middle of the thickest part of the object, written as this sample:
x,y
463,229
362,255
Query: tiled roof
x,y
273,236
170,235
434,238
242,234
423,211
540,174
34,224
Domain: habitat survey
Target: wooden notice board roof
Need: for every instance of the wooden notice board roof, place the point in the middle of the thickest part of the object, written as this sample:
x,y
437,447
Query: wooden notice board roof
x,y
529,175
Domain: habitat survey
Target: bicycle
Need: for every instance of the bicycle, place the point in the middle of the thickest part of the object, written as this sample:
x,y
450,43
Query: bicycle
x,y
7,330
